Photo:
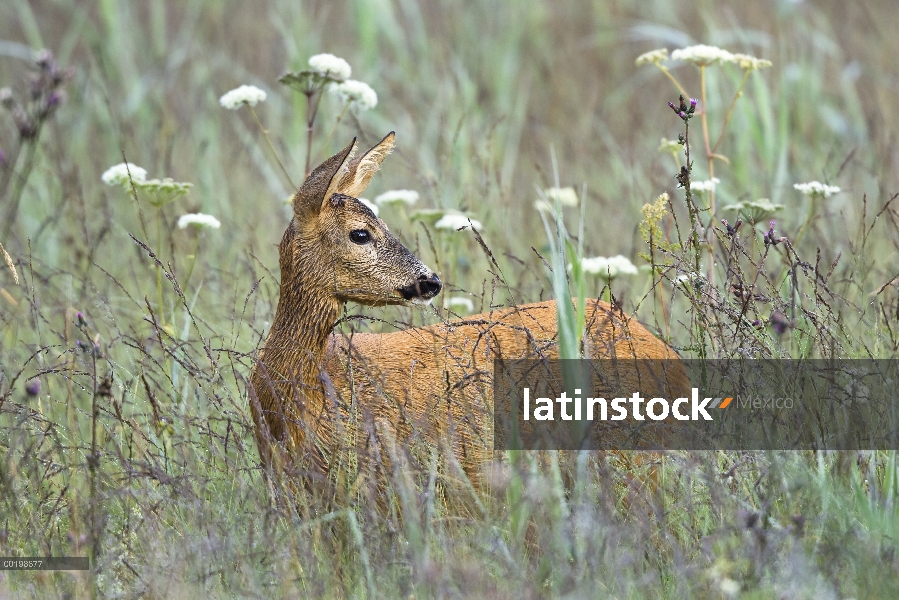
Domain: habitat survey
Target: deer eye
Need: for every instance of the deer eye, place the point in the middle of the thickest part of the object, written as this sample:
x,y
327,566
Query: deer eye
x,y
360,236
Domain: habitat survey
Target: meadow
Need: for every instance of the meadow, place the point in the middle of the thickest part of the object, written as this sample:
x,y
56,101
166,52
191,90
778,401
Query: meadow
x,y
126,340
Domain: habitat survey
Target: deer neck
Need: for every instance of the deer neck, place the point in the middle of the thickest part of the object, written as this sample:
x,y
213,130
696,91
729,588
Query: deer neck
x,y
305,315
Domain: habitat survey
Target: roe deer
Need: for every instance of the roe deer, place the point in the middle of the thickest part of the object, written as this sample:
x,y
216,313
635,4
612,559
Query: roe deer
x,y
427,384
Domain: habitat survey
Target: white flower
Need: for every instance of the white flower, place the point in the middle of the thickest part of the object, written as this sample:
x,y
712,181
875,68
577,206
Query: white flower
x,y
653,57
816,189
702,55
118,175
357,93
566,196
245,94
160,192
456,221
544,206
705,186
750,63
757,210
729,587
330,66
198,220
459,302
409,197
371,205
608,267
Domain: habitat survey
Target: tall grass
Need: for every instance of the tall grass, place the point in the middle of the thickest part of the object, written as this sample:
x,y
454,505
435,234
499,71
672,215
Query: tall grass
x,y
136,446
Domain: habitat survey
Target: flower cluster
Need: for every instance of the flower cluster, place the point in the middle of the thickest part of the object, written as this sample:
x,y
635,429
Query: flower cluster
x,y
816,189
408,197
612,266
157,192
330,66
566,196
750,63
357,94
653,57
327,70
755,210
248,95
704,186
456,221
198,220
703,56
119,174
682,110
45,95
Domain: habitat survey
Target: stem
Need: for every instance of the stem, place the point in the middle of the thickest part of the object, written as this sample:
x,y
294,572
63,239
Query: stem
x,y
808,220
194,262
336,123
93,463
711,167
311,110
272,147
730,110
707,140
16,197
158,268
676,83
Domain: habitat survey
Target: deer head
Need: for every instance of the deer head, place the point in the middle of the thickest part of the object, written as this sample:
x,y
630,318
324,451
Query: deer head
x,y
336,246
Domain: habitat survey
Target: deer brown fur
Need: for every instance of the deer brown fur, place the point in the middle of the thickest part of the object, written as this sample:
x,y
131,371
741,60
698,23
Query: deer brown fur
x,y
313,392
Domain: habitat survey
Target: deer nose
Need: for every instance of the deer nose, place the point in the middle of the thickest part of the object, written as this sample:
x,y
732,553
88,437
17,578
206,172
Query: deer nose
x,y
428,287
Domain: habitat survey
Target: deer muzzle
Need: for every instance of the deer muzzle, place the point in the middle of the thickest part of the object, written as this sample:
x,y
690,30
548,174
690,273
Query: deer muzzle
x,y
423,289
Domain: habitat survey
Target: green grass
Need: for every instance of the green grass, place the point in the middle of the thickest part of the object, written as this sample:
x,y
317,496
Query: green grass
x,y
482,96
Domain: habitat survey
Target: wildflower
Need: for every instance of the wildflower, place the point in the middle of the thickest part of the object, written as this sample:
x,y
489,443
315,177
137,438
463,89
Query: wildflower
x,y
198,220
458,301
755,210
750,63
816,189
566,196
33,387
544,206
330,66
245,94
729,587
118,175
705,186
160,192
612,266
653,57
456,221
702,55
780,323
409,197
769,236
358,94
371,205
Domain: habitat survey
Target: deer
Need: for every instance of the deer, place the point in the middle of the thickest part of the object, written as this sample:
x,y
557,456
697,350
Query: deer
x,y
425,385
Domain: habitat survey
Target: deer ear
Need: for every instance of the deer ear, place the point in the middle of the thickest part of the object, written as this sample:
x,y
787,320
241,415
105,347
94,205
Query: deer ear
x,y
362,169
321,183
